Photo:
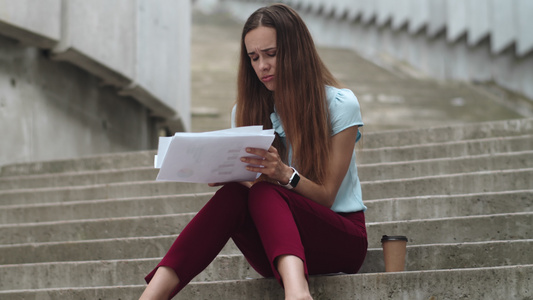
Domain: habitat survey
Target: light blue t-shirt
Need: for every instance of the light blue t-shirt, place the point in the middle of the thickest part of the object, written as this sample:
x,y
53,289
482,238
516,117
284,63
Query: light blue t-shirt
x,y
344,112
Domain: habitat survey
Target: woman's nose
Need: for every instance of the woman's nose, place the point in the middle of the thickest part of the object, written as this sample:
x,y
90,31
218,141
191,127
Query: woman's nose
x,y
264,65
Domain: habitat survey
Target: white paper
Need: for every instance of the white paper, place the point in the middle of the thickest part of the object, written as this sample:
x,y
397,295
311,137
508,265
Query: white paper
x,y
210,157
164,142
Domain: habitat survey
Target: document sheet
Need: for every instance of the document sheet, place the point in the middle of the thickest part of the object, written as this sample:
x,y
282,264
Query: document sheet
x,y
210,157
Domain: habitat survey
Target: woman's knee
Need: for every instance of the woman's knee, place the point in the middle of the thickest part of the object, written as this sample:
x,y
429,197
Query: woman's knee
x,y
232,190
231,195
261,185
261,188
261,193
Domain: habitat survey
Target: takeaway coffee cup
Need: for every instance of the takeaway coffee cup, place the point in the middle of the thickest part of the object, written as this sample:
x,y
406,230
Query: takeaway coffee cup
x,y
394,249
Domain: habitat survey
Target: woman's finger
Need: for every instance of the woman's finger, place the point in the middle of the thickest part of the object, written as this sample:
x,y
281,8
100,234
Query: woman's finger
x,y
253,161
257,151
268,164
273,149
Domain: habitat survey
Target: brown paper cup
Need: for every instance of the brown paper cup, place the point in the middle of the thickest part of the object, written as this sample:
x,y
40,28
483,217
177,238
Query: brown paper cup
x,y
394,249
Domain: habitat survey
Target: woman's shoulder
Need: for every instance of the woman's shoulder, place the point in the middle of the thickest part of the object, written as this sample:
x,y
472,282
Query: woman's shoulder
x,y
340,98
344,110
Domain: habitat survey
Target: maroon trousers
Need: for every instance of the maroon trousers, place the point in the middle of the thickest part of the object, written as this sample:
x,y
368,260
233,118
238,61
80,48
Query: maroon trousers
x,y
266,221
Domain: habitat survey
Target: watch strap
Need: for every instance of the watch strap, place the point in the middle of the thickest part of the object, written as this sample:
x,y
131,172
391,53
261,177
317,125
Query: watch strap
x,y
293,181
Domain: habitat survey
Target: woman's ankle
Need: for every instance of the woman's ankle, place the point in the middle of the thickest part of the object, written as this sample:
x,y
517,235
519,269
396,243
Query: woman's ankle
x,y
292,272
298,296
162,284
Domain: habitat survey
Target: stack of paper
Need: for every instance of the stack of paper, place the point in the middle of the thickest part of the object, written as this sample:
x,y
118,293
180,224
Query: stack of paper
x,y
210,157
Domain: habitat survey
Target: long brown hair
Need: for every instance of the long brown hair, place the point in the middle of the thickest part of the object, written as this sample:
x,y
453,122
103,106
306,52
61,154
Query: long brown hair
x,y
299,96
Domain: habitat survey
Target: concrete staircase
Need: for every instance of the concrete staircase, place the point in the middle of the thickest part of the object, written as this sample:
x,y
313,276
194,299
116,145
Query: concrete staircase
x,y
92,228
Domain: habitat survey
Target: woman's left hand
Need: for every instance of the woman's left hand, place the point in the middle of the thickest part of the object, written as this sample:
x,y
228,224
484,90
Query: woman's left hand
x,y
269,164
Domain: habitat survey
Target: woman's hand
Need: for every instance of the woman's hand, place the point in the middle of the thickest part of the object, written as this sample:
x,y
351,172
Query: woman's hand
x,y
269,163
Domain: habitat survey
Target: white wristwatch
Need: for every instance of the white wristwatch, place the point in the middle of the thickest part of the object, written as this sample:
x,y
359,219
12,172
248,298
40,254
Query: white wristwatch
x,y
293,181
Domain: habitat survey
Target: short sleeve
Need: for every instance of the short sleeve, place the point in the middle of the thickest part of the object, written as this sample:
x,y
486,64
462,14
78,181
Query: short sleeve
x,y
343,108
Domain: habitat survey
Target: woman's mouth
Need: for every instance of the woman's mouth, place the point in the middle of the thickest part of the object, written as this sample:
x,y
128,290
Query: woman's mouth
x,y
267,78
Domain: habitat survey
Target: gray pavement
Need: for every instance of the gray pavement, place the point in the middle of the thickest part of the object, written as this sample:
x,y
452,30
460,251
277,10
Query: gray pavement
x,y
392,96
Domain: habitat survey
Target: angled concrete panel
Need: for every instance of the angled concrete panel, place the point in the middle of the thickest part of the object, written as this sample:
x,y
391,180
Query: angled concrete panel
x,y
36,23
342,9
384,11
437,17
163,57
328,7
100,39
354,9
524,43
478,26
503,25
400,13
368,11
456,19
303,5
314,5
459,40
419,15
51,110
292,3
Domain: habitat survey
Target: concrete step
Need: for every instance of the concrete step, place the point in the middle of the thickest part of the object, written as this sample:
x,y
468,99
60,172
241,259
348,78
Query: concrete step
x,y
367,171
92,229
442,206
456,256
421,207
442,166
112,161
102,249
235,267
424,231
379,211
451,184
430,185
111,272
508,282
397,138
450,255
445,149
100,192
418,207
463,201
459,132
480,228
107,208
78,178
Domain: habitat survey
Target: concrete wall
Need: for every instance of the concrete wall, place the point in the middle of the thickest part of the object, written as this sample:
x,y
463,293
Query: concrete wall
x,y
31,22
140,46
54,110
85,77
483,40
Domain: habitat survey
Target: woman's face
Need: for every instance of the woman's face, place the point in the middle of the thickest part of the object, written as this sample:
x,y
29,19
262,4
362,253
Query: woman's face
x,y
261,48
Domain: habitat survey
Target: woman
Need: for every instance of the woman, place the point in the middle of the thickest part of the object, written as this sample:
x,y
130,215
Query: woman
x,y
288,224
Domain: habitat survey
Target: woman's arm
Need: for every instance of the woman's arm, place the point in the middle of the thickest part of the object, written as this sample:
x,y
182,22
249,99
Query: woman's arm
x,y
342,147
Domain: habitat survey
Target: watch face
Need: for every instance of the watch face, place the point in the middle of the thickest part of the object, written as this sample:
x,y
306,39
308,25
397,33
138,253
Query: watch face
x,y
295,180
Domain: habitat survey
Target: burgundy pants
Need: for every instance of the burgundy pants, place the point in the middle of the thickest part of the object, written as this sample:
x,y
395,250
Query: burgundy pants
x,y
267,221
